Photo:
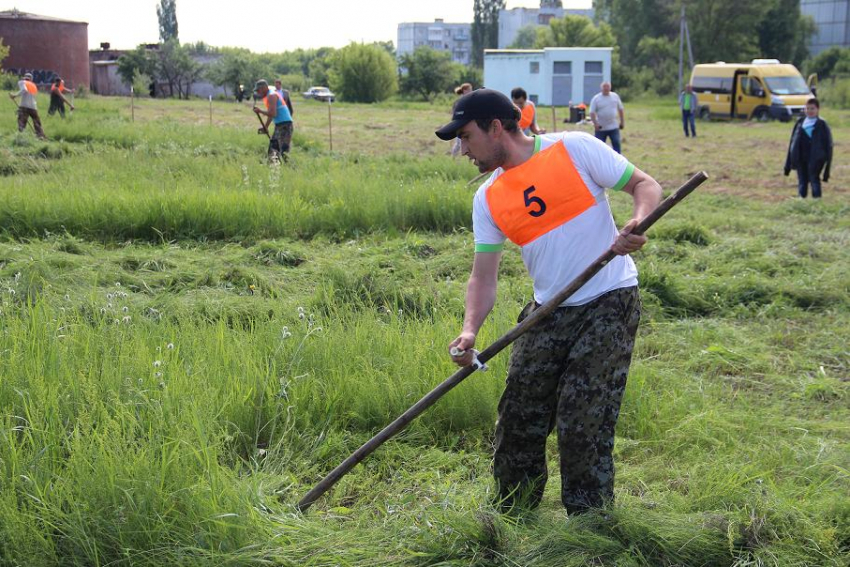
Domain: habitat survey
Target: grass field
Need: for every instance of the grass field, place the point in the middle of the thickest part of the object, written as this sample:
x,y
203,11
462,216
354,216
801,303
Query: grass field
x,y
190,339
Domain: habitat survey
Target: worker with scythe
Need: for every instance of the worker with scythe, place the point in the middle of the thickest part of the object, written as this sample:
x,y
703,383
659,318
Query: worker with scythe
x,y
547,194
278,112
57,97
28,109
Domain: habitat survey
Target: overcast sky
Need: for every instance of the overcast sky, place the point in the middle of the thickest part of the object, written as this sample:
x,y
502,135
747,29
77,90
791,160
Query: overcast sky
x,y
248,23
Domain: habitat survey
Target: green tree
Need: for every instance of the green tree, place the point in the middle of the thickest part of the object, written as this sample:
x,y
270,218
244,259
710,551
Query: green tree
x,y
784,32
4,52
166,13
632,20
485,28
830,62
525,37
428,73
657,62
134,63
236,67
363,73
575,31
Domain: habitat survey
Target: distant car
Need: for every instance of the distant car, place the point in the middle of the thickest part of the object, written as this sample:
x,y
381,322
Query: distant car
x,y
319,93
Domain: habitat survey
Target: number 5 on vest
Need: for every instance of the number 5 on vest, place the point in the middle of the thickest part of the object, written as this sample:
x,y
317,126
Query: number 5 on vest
x,y
529,200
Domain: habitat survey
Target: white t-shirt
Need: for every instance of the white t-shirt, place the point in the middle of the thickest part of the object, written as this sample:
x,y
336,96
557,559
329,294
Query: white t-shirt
x,y
557,257
27,99
606,109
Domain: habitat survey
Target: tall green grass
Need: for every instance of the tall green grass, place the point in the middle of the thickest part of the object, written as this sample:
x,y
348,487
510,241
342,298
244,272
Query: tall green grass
x,y
189,340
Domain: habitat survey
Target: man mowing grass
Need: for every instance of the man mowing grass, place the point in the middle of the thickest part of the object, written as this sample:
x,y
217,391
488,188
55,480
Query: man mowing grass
x,y
547,195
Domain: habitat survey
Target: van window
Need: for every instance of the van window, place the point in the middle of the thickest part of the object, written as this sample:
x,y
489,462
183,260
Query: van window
x,y
787,85
716,85
755,88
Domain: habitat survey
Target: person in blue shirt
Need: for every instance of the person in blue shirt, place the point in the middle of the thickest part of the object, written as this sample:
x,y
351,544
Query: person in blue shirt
x,y
810,150
277,111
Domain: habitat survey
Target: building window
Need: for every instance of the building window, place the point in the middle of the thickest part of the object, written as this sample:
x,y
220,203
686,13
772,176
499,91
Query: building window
x,y
533,98
563,68
593,67
534,67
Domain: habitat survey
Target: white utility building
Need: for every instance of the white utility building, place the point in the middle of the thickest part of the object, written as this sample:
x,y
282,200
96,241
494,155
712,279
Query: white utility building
x,y
554,76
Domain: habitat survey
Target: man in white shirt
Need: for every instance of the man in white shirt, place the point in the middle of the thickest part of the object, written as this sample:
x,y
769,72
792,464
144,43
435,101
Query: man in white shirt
x,y
605,109
547,195
28,108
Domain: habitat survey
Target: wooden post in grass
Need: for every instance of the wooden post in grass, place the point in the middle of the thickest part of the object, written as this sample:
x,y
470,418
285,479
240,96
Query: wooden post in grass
x,y
536,316
210,110
554,120
132,105
330,127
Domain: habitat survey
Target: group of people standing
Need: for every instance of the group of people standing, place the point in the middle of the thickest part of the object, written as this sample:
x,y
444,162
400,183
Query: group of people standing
x,y
28,107
809,151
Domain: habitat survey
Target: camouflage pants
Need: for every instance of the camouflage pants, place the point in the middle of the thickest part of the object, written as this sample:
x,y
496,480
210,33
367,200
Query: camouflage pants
x,y
281,140
569,372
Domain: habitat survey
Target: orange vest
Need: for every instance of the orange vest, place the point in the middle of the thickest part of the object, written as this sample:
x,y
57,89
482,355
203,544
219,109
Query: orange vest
x,y
30,86
60,89
538,196
527,118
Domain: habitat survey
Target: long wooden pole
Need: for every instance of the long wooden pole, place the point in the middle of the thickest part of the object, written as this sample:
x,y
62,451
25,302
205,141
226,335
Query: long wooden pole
x,y
330,127
132,105
554,120
431,397
210,110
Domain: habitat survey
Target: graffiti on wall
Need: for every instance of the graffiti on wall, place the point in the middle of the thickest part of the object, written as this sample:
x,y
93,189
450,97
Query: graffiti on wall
x,y
41,77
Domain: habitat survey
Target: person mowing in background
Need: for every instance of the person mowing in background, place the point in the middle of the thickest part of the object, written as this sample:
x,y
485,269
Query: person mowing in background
x,y
547,194
605,108
688,104
57,97
810,150
528,116
278,112
28,108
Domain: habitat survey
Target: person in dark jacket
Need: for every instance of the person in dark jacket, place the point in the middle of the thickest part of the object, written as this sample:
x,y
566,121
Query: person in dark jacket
x,y
810,150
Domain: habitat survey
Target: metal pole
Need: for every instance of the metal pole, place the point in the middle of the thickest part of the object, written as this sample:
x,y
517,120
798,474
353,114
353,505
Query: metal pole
x,y
419,407
690,50
681,45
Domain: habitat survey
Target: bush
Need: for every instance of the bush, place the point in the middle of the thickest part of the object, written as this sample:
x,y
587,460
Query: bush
x,y
835,93
8,81
363,73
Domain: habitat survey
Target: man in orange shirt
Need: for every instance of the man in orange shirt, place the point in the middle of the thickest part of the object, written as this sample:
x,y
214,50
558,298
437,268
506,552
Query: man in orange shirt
x,y
57,97
548,195
27,90
528,117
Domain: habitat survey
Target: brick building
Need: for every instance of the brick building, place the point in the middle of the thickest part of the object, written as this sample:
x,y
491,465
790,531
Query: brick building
x,y
46,47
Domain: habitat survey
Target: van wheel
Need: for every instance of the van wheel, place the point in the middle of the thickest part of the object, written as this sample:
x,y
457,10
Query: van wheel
x,y
761,114
704,113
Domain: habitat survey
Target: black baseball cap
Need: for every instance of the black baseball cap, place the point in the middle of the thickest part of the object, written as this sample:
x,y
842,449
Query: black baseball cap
x,y
480,104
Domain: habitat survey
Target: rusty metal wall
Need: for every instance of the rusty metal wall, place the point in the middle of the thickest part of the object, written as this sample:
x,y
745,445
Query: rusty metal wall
x,y
47,48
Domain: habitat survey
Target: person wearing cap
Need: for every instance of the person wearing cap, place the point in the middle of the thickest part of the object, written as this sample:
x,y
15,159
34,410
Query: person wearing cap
x,y
57,97
528,116
547,194
28,109
278,112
